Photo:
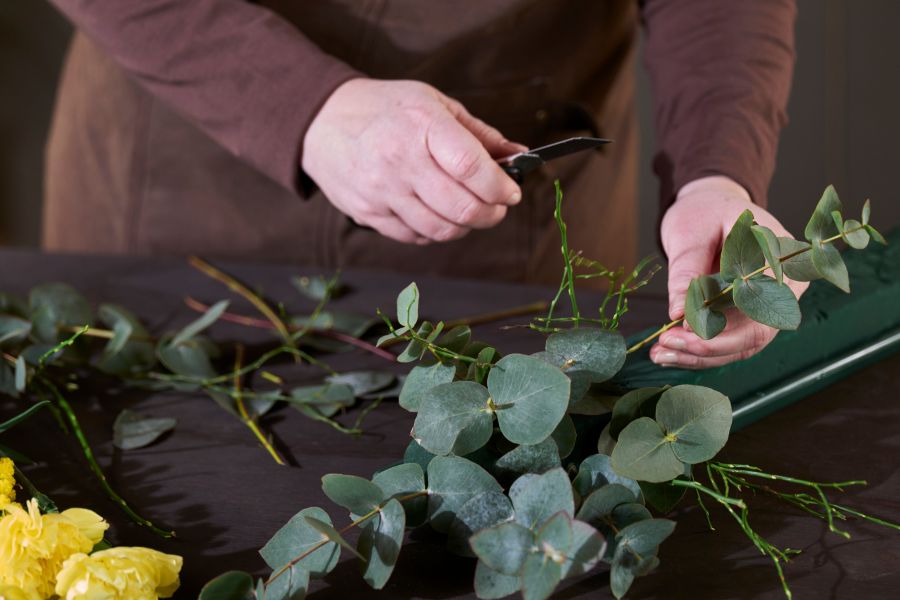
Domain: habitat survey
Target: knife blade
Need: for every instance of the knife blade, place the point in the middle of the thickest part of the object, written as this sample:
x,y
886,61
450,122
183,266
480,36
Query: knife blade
x,y
518,165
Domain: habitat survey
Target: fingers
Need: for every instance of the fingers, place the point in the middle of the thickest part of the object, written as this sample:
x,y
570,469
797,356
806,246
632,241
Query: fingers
x,y
393,228
685,263
493,141
420,218
463,157
454,202
741,339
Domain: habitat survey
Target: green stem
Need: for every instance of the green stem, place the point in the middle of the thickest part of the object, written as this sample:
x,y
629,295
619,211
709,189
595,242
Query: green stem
x,y
94,466
249,421
564,248
694,485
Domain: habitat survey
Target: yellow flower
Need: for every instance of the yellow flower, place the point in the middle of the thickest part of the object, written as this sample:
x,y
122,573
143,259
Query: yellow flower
x,y
11,592
7,483
33,546
133,573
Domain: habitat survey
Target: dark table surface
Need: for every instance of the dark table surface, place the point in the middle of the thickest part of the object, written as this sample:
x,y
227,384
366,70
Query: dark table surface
x,y
225,497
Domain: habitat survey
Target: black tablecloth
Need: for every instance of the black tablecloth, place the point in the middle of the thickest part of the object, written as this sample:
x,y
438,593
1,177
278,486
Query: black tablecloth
x,y
225,497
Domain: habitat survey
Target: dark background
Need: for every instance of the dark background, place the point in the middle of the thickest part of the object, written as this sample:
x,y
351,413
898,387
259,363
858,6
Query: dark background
x,y
844,115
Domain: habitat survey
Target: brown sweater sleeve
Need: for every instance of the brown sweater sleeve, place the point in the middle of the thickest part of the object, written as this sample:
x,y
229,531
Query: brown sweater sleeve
x,y
240,73
721,74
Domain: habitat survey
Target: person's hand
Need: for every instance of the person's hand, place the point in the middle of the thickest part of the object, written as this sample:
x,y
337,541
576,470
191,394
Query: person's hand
x,y
406,160
693,230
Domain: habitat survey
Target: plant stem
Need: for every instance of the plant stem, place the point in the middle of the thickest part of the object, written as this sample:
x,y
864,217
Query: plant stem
x,y
105,334
263,324
346,528
241,289
694,485
564,248
730,288
94,466
499,315
249,421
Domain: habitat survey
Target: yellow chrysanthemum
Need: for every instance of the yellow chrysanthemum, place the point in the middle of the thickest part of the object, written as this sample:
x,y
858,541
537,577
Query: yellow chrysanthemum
x,y
7,482
133,573
11,592
33,546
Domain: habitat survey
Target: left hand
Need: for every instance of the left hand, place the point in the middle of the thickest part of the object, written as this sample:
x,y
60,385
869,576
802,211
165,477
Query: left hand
x,y
693,230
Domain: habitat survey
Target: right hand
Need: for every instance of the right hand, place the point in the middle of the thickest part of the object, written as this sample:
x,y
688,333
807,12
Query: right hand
x,y
406,160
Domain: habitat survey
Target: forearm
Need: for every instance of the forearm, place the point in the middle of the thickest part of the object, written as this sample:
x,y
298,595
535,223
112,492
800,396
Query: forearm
x,y
721,74
240,73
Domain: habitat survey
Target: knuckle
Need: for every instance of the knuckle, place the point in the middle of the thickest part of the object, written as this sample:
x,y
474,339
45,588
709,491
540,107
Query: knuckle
x,y
465,165
469,213
447,233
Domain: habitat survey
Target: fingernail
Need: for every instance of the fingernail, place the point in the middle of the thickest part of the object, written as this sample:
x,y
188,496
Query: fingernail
x,y
676,343
669,358
515,198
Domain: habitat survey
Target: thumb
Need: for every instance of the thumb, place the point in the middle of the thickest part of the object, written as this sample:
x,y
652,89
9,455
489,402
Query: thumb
x,y
686,264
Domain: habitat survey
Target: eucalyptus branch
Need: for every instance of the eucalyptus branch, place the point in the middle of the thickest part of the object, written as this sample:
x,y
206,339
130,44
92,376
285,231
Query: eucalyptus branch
x,y
730,288
248,420
281,571
66,409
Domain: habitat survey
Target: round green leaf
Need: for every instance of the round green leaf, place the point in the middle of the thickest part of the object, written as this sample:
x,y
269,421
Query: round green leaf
x,y
421,380
703,319
456,339
190,358
132,430
503,547
124,354
540,576
402,480
821,224
493,585
588,547
454,418
699,420
232,585
364,382
453,481
295,538
291,584
741,254
565,436
643,453
662,496
537,458
530,396
799,267
359,496
13,330
415,453
640,402
855,234
408,306
536,498
483,511
595,471
379,544
54,306
768,302
598,353
599,505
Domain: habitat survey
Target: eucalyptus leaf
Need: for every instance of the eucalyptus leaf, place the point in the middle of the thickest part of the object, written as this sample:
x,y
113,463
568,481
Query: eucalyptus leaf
x,y
662,496
330,533
493,585
408,306
13,330
291,584
326,399
317,287
699,418
190,358
416,349
540,576
483,511
821,224
770,247
875,235
587,549
699,311
644,453
538,497
565,436
644,537
364,382
828,262
596,471
503,547
416,454
640,402
537,458
212,314
741,255
768,302
421,380
599,505
799,267
130,349
485,358
231,585
380,542
55,306
597,352
453,481
456,339
132,430
359,496
297,537
866,212
404,480
11,304
855,234
21,374
392,335
530,396
454,418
